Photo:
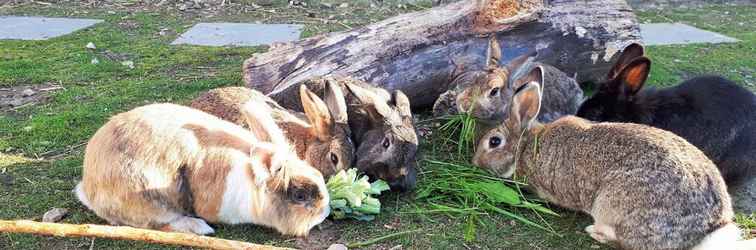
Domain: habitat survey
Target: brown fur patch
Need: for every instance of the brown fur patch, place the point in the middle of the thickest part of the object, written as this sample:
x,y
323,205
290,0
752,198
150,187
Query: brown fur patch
x,y
217,138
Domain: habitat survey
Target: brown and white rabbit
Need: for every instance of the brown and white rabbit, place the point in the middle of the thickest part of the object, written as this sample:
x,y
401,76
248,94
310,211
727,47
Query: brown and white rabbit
x,y
645,188
381,125
324,142
174,168
486,94
712,113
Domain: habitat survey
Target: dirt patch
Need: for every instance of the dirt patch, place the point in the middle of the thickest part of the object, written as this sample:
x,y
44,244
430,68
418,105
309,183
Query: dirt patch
x,y
14,98
320,237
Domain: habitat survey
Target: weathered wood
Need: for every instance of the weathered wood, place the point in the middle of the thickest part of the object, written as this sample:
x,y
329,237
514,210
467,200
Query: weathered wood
x,y
125,233
419,52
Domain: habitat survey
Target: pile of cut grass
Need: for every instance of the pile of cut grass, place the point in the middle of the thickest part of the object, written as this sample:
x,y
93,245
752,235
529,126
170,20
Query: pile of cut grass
x,y
452,186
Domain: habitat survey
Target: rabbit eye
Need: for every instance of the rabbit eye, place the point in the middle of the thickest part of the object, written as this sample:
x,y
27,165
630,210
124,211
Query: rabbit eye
x,y
334,159
494,142
494,92
299,195
386,142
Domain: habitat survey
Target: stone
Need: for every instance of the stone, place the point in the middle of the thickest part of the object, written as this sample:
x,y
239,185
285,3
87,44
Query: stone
x,y
91,45
239,34
28,92
54,215
678,33
40,28
337,247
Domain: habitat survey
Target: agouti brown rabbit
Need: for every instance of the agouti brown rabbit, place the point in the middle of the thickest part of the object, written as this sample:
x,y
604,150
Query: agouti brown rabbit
x,y
324,141
645,188
486,94
159,166
381,125
712,113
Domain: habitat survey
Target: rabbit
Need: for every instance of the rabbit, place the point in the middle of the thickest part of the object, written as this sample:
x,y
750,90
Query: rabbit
x,y
712,113
486,94
174,168
645,188
382,128
325,142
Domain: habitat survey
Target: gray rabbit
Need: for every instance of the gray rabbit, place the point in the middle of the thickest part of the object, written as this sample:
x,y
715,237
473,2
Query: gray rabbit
x,y
381,124
645,188
712,113
486,93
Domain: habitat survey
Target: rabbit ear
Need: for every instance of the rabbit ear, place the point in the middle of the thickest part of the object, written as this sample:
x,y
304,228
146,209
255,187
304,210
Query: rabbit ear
x,y
630,52
317,112
262,124
402,103
334,99
535,75
493,53
519,61
526,104
634,75
376,105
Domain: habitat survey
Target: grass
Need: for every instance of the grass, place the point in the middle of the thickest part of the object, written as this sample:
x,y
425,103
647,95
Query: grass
x,y
42,144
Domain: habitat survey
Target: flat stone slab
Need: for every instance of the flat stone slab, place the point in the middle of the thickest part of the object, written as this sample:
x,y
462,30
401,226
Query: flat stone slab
x,y
40,28
239,34
678,33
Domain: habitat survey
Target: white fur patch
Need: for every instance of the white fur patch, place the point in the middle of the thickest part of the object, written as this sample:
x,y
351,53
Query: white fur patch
x,y
191,225
238,197
723,238
79,191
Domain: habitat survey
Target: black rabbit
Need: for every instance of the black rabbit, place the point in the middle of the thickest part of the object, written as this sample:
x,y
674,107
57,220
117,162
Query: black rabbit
x,y
712,113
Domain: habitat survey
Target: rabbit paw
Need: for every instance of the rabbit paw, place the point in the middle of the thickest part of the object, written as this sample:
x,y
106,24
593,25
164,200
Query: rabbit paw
x,y
191,225
601,234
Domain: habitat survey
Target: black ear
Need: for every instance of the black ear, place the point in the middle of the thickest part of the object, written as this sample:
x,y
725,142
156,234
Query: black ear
x,y
630,52
634,75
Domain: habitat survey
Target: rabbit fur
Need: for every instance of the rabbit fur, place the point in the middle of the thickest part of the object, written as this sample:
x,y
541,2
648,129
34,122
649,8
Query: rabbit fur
x,y
174,168
485,94
645,188
712,113
324,142
381,124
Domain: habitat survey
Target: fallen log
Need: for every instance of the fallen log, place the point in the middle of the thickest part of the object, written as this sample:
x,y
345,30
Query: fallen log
x,y
419,53
125,233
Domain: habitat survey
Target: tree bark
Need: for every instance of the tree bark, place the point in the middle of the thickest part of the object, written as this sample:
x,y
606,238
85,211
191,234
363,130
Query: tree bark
x,y
125,233
419,53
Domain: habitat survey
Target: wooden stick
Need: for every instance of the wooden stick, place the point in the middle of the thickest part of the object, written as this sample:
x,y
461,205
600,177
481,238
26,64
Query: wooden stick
x,y
125,233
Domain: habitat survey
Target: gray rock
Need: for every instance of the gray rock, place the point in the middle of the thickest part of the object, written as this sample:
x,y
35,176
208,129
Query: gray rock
x,y
54,215
337,247
28,92
239,34
678,33
40,28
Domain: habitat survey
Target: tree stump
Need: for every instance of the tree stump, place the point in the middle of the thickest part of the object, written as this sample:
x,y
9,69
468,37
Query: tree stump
x,y
419,53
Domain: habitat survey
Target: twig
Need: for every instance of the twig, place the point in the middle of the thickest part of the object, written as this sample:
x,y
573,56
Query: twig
x,y
125,233
51,88
27,179
22,106
382,238
345,26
